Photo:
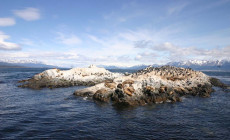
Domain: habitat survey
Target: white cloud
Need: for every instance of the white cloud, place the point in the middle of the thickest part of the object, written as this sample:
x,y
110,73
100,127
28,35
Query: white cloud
x,y
4,45
7,21
28,14
68,40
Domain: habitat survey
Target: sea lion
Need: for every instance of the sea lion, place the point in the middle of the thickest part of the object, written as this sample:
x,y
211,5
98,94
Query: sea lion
x,y
110,85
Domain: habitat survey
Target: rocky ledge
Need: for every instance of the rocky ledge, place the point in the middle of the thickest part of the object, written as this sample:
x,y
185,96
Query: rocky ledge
x,y
153,85
54,78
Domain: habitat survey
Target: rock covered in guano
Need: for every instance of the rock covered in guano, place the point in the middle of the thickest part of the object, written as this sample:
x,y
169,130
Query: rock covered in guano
x,y
54,78
152,85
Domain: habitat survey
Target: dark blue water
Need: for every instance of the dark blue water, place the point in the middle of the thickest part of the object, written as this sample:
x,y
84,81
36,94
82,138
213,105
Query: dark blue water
x,y
57,114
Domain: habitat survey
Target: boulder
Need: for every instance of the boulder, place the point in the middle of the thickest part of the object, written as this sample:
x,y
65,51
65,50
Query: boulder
x,y
102,95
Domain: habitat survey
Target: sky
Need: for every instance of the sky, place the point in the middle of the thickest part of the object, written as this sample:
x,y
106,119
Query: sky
x,y
77,33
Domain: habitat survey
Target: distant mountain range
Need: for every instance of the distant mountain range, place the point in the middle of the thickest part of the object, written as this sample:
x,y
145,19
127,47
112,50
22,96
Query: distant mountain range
x,y
9,63
194,64
203,64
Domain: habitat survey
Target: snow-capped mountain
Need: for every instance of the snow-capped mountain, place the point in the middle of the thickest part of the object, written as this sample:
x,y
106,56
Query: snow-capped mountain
x,y
203,64
20,61
194,64
23,63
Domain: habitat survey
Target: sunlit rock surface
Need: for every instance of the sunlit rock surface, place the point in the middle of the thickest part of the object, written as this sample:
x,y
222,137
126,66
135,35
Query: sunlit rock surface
x,y
54,78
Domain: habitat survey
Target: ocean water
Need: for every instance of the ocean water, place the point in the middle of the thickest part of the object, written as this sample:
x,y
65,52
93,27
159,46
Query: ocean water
x,y
58,114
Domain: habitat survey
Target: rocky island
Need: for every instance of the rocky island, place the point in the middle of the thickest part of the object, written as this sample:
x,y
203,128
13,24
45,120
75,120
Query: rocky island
x,y
54,78
146,86
152,85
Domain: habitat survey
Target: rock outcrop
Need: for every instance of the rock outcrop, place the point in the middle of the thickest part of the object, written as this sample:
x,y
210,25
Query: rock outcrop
x,y
152,85
54,78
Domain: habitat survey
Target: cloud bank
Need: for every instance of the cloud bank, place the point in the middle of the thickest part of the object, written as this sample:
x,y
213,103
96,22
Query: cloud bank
x,y
171,52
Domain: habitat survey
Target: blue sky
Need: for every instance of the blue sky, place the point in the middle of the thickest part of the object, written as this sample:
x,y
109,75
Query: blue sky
x,y
119,32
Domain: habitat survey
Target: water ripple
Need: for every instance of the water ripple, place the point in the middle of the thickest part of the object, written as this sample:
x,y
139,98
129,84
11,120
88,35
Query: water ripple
x,y
55,114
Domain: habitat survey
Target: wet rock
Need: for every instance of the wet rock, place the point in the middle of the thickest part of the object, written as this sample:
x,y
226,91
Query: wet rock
x,y
164,97
85,94
205,90
119,93
216,82
175,98
102,95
